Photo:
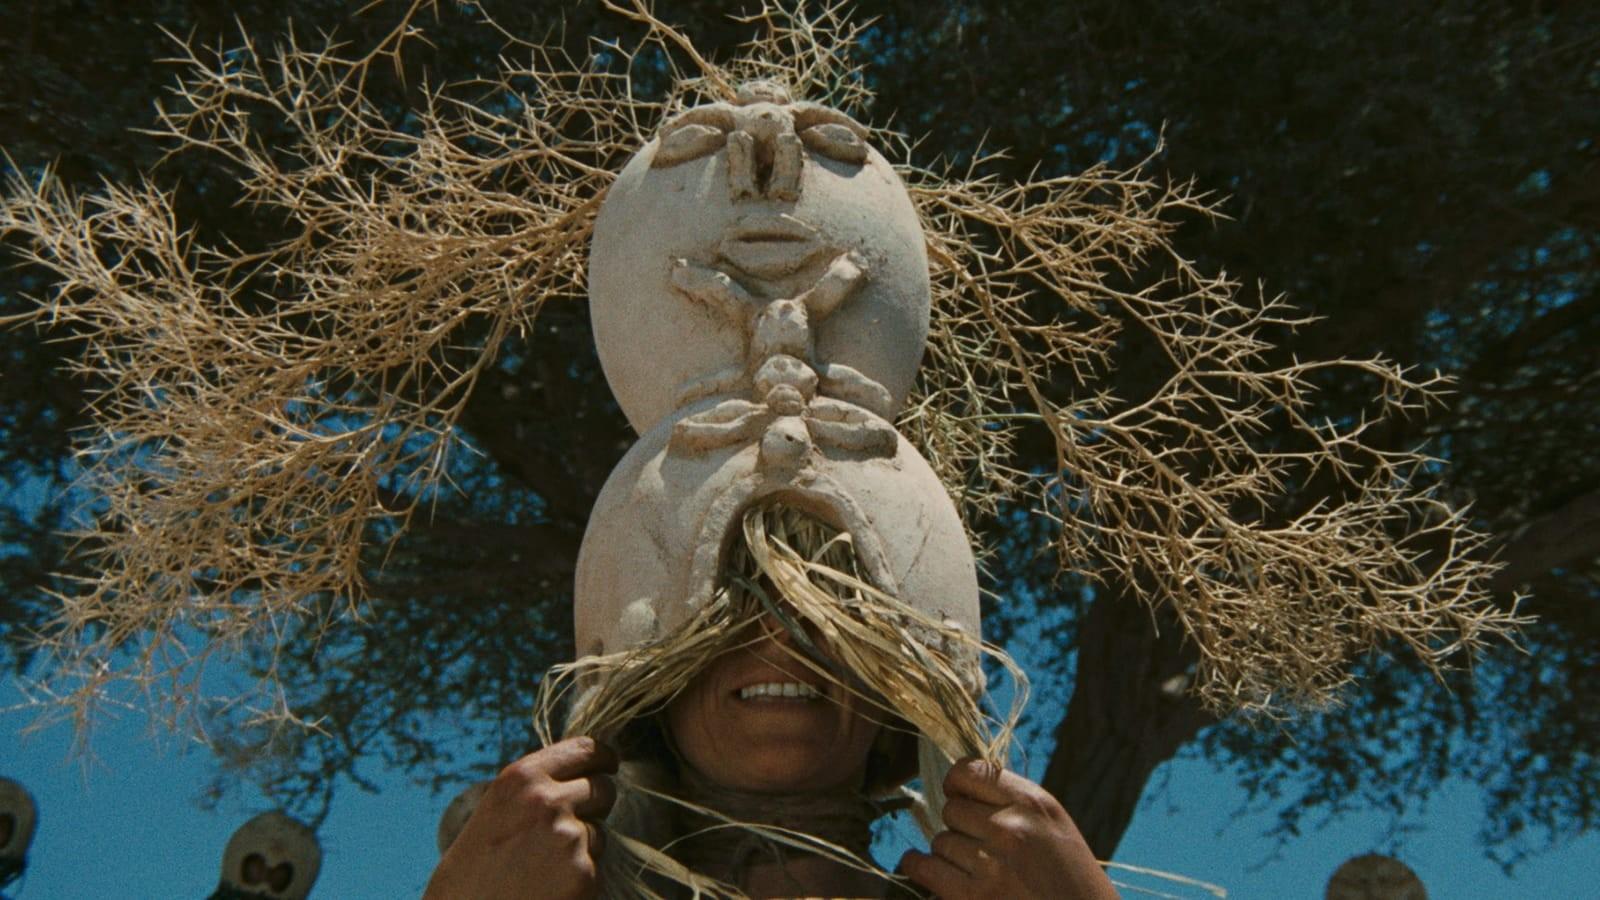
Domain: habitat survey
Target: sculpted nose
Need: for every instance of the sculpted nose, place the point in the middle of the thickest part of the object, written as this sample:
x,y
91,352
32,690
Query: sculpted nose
x,y
765,158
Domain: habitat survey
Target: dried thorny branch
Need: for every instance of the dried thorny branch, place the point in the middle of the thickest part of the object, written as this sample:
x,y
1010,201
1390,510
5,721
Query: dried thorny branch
x,y
1286,546
262,410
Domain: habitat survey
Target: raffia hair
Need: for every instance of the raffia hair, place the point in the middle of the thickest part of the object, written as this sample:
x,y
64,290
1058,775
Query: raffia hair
x,y
903,666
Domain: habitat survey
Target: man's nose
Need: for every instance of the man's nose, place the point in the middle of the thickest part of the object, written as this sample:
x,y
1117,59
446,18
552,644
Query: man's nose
x,y
773,629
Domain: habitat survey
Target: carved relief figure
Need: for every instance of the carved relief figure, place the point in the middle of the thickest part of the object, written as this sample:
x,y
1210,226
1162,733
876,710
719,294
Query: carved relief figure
x,y
795,399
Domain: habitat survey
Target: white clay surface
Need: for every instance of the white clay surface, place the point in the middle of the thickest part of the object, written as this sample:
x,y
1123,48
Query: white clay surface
x,y
654,541
652,340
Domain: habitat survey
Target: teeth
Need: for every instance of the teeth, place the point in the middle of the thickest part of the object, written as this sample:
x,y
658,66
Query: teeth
x,y
780,689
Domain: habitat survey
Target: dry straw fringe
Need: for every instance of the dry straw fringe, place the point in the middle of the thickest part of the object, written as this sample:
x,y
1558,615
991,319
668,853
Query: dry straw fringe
x,y
901,664
265,418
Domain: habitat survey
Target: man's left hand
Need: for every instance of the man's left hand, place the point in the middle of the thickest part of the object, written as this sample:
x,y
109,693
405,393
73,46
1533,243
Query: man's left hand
x,y
1005,837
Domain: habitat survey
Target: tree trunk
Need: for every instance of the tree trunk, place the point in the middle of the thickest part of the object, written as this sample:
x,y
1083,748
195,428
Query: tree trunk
x,y
1569,536
1130,712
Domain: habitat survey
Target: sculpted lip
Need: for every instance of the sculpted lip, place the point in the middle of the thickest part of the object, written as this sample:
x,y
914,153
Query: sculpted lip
x,y
770,245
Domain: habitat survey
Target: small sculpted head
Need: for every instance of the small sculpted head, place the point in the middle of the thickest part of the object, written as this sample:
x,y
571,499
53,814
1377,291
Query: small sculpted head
x,y
1373,876
455,815
272,856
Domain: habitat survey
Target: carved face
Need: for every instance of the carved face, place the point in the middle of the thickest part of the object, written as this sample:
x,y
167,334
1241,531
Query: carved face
x,y
767,194
273,856
759,720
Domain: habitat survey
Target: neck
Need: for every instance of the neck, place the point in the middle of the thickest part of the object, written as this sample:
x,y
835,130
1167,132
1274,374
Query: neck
x,y
809,876
765,869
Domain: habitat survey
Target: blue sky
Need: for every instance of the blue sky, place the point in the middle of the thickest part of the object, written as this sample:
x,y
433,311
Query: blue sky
x,y
126,824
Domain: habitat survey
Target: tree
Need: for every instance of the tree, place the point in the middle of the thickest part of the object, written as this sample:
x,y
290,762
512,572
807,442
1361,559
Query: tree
x,y
1423,178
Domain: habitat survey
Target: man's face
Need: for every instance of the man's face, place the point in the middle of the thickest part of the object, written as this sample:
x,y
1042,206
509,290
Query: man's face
x,y
759,719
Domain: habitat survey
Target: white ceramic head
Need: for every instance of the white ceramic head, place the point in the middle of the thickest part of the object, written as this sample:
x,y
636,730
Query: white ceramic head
x,y
768,195
1374,876
18,819
272,856
457,813
667,515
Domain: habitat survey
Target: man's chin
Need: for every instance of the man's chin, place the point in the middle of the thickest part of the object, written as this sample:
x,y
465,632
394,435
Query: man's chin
x,y
782,772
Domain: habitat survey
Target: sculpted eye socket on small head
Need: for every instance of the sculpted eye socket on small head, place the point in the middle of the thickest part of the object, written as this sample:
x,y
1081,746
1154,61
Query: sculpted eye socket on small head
x,y
281,876
253,870
835,142
687,141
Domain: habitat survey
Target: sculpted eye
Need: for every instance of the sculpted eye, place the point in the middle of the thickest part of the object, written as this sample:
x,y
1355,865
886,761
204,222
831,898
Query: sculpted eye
x,y
835,141
688,141
253,870
281,877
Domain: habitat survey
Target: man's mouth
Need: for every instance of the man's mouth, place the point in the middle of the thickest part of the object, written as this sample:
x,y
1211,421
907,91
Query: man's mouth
x,y
779,690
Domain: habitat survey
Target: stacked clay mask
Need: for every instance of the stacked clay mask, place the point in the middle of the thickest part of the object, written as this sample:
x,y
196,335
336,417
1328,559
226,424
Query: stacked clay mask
x,y
760,299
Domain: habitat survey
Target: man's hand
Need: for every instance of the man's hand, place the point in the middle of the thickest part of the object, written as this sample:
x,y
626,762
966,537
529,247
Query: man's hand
x,y
534,833
1007,837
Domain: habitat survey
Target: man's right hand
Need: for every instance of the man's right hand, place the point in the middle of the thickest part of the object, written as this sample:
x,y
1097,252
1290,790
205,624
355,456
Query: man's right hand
x,y
535,832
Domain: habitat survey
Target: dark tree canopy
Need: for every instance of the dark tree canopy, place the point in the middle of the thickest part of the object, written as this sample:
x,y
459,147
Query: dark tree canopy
x,y
1423,176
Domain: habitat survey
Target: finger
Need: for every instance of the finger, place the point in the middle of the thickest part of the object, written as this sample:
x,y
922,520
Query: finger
x,y
599,793
965,851
938,875
970,817
589,797
573,758
982,781
596,840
